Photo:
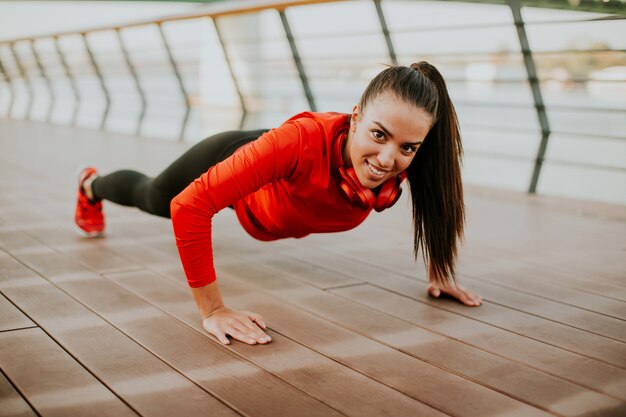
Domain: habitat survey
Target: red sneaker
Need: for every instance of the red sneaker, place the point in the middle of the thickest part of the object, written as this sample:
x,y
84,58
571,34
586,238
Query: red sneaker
x,y
88,215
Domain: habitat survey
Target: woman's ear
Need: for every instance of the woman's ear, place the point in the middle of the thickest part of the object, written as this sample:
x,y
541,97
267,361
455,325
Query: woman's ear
x,y
354,117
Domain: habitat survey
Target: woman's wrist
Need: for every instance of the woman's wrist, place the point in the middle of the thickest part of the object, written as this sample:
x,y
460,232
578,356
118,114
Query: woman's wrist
x,y
208,299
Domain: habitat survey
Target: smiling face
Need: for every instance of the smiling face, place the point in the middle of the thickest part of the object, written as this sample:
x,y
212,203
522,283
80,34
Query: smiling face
x,y
383,138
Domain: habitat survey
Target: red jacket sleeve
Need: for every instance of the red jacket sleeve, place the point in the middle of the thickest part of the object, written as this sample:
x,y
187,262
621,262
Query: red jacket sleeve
x,y
274,155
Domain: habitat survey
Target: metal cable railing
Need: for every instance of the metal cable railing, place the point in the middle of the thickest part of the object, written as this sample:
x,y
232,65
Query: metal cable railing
x,y
148,77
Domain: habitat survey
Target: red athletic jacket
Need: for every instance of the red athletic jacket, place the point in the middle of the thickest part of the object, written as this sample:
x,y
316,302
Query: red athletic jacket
x,y
280,185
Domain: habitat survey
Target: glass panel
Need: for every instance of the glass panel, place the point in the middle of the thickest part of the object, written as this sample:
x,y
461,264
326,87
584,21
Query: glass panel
x,y
6,94
414,15
586,122
19,107
589,150
219,102
438,28
493,116
203,69
64,99
501,172
263,65
579,36
583,182
125,104
342,54
35,82
501,143
583,79
477,40
510,154
148,55
92,101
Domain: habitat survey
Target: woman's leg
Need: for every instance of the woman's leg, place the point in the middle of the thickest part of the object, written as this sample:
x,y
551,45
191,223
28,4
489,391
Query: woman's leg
x,y
153,195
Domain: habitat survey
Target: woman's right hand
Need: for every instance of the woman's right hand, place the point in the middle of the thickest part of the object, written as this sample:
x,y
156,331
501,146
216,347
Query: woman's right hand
x,y
244,326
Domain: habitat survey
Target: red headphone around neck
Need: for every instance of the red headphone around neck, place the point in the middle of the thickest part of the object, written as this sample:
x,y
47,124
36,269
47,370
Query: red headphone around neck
x,y
388,193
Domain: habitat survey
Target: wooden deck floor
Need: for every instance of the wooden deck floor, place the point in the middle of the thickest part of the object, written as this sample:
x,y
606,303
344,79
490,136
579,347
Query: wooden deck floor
x,y
108,326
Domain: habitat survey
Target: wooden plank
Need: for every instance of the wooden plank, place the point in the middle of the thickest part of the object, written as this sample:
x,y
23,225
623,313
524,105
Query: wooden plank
x,y
440,389
11,317
349,392
89,252
12,404
545,284
13,239
208,364
565,337
575,368
54,383
312,274
572,316
567,365
144,382
509,377
406,374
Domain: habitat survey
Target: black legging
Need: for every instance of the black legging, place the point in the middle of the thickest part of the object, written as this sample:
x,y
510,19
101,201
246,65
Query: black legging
x,y
153,195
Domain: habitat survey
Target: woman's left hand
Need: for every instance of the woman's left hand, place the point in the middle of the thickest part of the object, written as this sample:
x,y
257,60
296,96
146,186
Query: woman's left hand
x,y
465,296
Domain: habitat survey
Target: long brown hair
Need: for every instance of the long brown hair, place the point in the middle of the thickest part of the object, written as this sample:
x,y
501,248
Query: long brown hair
x,y
434,175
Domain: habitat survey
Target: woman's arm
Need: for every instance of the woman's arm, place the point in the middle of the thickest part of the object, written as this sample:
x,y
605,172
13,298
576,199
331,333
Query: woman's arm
x,y
436,287
271,157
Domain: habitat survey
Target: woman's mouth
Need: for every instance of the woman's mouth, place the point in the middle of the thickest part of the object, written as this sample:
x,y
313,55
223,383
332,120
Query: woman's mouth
x,y
376,172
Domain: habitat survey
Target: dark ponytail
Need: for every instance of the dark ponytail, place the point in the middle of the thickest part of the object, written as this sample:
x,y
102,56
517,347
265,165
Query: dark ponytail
x,y
434,175
435,181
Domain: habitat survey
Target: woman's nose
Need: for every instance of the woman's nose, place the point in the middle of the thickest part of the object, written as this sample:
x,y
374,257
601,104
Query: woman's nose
x,y
386,157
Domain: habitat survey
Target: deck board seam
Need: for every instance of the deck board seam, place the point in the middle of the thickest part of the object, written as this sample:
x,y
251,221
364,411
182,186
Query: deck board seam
x,y
406,276
500,327
557,276
288,277
117,329
163,277
16,388
572,381
19,328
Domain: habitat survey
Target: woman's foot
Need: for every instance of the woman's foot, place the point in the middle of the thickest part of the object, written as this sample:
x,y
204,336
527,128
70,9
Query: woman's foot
x,y
88,215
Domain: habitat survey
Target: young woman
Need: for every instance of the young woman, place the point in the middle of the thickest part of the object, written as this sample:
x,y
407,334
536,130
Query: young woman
x,y
318,172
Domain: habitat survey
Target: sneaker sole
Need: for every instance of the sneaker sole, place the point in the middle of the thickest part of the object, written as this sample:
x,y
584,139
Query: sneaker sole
x,y
88,235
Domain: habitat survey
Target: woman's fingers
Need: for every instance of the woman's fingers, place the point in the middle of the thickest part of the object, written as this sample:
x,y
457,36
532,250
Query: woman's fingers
x,y
221,336
250,328
210,327
241,336
244,326
257,318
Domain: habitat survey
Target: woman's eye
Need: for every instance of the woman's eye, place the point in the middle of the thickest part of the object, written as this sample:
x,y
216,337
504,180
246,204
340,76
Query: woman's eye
x,y
409,148
378,134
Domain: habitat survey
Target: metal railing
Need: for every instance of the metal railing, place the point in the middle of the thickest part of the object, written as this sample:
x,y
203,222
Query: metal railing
x,y
23,72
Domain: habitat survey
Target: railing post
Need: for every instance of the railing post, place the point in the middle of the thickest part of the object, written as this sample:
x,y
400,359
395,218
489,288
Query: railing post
x,y
101,78
70,76
244,109
181,85
42,71
133,72
536,90
22,73
10,85
298,62
385,29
